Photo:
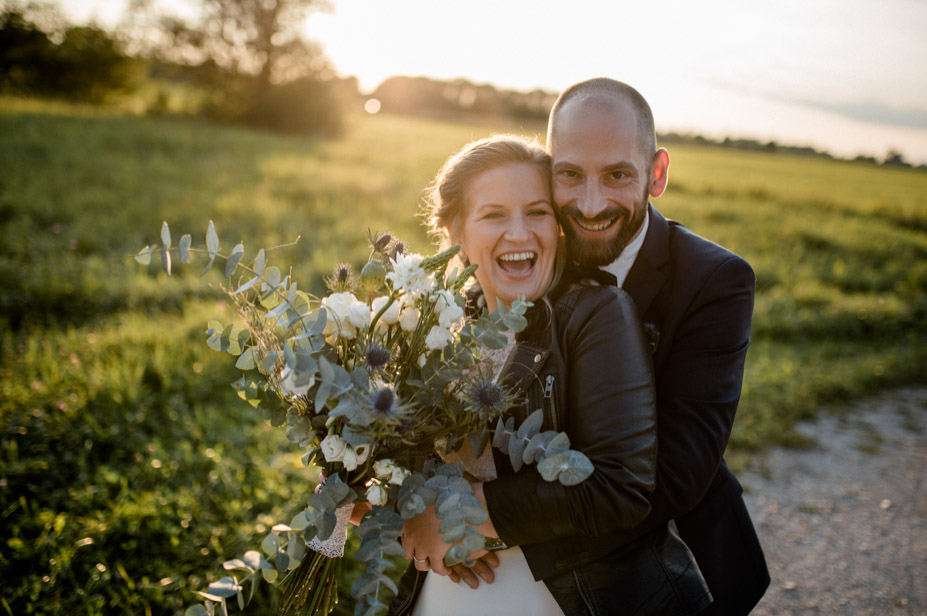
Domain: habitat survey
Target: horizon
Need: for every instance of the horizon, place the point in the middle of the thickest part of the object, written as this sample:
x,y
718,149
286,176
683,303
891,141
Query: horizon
x,y
819,75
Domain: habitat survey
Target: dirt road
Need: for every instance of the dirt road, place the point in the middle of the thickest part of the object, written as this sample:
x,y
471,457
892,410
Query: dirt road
x,y
844,525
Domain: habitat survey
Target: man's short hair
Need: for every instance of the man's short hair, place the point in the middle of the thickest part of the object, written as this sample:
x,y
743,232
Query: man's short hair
x,y
610,90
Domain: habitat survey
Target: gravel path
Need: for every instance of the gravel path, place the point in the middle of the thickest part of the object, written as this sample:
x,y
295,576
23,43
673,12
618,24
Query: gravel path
x,y
844,525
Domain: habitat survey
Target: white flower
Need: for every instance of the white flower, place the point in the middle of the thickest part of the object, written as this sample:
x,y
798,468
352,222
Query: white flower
x,y
388,470
408,275
438,338
339,306
399,475
377,495
334,448
355,457
359,315
383,468
450,316
390,317
422,359
408,320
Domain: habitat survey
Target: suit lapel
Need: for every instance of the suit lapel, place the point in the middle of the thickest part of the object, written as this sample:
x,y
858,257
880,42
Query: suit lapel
x,y
646,277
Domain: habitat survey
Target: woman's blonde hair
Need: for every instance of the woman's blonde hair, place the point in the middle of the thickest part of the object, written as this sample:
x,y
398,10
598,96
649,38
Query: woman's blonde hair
x,y
446,198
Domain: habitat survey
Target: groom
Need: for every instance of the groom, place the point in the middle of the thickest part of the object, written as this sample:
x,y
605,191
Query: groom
x,y
696,301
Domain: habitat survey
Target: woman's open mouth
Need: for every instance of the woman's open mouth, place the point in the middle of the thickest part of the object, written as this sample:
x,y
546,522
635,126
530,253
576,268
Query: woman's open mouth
x,y
517,263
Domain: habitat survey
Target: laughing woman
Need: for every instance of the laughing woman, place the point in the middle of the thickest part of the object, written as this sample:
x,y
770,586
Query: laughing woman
x,y
584,360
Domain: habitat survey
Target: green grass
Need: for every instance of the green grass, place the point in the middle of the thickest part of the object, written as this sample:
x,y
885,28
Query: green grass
x,y
128,467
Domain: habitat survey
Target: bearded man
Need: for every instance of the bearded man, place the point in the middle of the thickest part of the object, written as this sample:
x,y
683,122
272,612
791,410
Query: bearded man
x,y
696,301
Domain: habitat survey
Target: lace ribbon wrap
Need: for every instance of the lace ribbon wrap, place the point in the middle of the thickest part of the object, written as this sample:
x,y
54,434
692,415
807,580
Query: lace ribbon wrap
x,y
333,547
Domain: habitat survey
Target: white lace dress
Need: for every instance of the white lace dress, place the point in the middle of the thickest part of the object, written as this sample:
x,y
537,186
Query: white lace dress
x,y
514,592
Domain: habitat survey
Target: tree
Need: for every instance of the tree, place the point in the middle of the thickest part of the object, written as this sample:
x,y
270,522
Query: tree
x,y
261,38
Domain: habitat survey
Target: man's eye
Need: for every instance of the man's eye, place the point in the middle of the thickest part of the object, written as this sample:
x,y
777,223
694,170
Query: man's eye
x,y
567,173
618,175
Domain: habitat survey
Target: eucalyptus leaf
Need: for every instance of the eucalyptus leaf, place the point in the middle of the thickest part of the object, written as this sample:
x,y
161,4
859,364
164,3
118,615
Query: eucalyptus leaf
x,y
196,610
224,588
165,236
271,544
237,253
516,449
212,241
258,265
559,443
144,256
247,360
235,563
254,559
247,285
530,426
166,261
184,247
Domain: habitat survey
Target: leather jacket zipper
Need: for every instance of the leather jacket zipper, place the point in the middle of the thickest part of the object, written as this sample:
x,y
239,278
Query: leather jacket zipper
x,y
549,395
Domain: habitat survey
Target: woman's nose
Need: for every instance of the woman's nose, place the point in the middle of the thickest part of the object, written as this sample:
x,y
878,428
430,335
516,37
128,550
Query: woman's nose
x,y
517,229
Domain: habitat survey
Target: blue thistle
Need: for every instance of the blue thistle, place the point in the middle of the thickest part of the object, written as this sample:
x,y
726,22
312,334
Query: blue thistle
x,y
377,357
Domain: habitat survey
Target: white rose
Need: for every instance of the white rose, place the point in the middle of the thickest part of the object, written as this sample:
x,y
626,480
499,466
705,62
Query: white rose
x,y
438,338
359,315
450,316
338,305
384,468
391,316
355,457
409,318
377,495
333,448
399,475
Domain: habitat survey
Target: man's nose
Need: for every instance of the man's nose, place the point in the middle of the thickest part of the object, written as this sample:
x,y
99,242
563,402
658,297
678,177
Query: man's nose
x,y
593,200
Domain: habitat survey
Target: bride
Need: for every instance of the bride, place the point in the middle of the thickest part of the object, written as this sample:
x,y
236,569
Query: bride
x,y
584,360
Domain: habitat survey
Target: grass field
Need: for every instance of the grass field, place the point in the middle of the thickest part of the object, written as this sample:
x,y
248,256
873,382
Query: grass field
x,y
129,468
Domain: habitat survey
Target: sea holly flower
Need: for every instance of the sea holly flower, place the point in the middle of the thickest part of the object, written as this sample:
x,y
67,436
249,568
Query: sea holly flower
x,y
376,356
409,276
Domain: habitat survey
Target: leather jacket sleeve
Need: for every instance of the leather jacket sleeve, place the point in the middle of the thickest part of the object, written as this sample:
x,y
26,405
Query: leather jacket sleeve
x,y
600,351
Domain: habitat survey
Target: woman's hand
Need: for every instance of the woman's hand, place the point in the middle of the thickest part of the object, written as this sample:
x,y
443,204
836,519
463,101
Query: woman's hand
x,y
423,543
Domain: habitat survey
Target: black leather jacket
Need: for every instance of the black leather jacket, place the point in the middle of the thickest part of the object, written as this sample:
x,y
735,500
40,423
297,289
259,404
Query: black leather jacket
x,y
585,361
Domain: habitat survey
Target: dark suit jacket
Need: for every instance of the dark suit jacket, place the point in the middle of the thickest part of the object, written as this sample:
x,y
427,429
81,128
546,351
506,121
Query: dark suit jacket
x,y
696,301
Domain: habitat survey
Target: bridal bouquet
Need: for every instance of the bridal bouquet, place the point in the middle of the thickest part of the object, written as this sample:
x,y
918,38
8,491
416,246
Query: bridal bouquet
x,y
370,381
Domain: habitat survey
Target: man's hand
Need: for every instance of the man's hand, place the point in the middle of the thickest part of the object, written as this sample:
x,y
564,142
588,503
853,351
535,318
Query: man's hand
x,y
481,569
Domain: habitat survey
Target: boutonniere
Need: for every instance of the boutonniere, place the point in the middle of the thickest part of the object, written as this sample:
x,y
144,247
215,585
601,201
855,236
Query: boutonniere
x,y
652,334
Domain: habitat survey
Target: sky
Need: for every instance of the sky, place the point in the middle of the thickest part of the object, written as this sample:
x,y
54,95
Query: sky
x,y
846,76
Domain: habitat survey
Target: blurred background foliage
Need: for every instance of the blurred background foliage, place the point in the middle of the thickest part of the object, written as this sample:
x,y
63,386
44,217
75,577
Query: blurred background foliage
x,y
129,469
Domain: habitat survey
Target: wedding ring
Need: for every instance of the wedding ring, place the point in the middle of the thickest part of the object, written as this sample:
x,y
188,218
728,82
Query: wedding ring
x,y
420,560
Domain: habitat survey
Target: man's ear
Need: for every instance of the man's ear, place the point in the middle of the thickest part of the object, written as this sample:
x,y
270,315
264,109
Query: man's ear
x,y
659,172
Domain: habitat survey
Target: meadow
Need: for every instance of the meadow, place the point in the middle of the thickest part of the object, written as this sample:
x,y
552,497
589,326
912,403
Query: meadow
x,y
129,469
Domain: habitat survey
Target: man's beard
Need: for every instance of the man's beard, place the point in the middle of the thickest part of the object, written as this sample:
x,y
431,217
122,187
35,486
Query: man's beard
x,y
596,253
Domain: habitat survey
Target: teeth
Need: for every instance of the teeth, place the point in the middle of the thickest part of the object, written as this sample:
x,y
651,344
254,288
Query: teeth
x,y
517,256
597,227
